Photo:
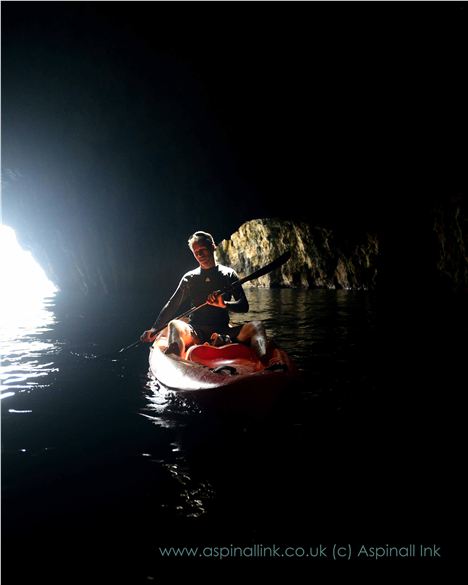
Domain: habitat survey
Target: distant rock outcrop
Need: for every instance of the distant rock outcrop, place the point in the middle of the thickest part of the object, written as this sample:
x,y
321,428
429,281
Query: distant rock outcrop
x,y
450,229
319,258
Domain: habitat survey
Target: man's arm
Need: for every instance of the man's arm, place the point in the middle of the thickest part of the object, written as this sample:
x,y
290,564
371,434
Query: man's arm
x,y
168,312
171,308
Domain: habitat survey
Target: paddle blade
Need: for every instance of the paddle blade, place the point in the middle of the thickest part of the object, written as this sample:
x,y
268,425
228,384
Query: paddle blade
x,y
266,269
132,345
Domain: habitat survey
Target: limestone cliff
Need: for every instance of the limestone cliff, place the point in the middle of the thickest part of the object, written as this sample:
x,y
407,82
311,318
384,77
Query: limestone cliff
x,y
319,258
451,248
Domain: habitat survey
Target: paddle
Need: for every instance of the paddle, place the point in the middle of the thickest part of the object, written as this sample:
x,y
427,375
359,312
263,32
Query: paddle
x,y
260,272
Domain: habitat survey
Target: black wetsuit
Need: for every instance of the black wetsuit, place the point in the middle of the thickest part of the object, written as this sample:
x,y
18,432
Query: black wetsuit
x,y
194,287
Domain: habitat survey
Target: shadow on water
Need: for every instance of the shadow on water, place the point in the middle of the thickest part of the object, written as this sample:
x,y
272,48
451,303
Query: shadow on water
x,y
102,467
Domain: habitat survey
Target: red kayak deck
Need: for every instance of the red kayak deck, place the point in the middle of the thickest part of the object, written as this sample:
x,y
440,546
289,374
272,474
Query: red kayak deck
x,y
242,359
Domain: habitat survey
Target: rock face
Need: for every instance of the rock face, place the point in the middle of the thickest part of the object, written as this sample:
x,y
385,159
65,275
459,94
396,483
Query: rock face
x,y
319,258
450,223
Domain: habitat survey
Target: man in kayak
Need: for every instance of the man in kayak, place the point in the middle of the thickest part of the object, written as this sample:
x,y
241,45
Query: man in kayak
x,y
212,320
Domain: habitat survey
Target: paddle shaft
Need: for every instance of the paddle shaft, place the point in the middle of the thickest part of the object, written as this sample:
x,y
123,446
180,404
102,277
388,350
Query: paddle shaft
x,y
260,272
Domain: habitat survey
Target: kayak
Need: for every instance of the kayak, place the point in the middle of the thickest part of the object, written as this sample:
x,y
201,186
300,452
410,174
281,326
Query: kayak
x,y
230,372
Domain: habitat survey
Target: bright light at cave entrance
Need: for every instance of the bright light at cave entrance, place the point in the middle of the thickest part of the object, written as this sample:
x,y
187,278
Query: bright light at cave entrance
x,y
23,282
26,295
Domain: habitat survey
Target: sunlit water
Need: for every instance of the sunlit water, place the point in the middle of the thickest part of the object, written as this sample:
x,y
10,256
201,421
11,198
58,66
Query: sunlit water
x,y
27,361
26,301
94,450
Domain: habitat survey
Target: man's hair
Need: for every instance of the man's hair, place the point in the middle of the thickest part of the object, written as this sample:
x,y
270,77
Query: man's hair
x,y
204,237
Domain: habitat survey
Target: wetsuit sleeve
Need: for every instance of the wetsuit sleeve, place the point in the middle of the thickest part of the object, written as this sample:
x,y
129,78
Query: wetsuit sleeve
x,y
240,304
171,308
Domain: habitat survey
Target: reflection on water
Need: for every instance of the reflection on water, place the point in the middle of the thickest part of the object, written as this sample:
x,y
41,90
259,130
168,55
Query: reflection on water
x,y
166,408
308,324
189,497
27,358
193,496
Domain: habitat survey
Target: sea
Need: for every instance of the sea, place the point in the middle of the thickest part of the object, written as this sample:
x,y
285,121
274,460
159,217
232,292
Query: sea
x,y
109,477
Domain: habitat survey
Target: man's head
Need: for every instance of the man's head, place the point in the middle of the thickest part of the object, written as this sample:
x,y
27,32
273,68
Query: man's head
x,y
203,247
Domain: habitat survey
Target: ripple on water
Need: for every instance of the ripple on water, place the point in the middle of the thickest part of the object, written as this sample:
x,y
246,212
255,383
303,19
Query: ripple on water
x,y
27,356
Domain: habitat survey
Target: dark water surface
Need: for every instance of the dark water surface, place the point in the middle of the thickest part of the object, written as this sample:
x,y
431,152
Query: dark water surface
x,y
101,467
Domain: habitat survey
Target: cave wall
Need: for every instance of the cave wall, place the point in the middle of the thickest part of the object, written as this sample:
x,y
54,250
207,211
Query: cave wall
x,y
320,258
450,235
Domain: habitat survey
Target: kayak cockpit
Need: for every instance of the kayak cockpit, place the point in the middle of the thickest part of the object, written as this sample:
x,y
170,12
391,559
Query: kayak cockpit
x,y
234,358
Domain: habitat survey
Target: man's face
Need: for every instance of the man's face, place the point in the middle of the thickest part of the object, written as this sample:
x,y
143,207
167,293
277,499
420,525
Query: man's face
x,y
204,253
